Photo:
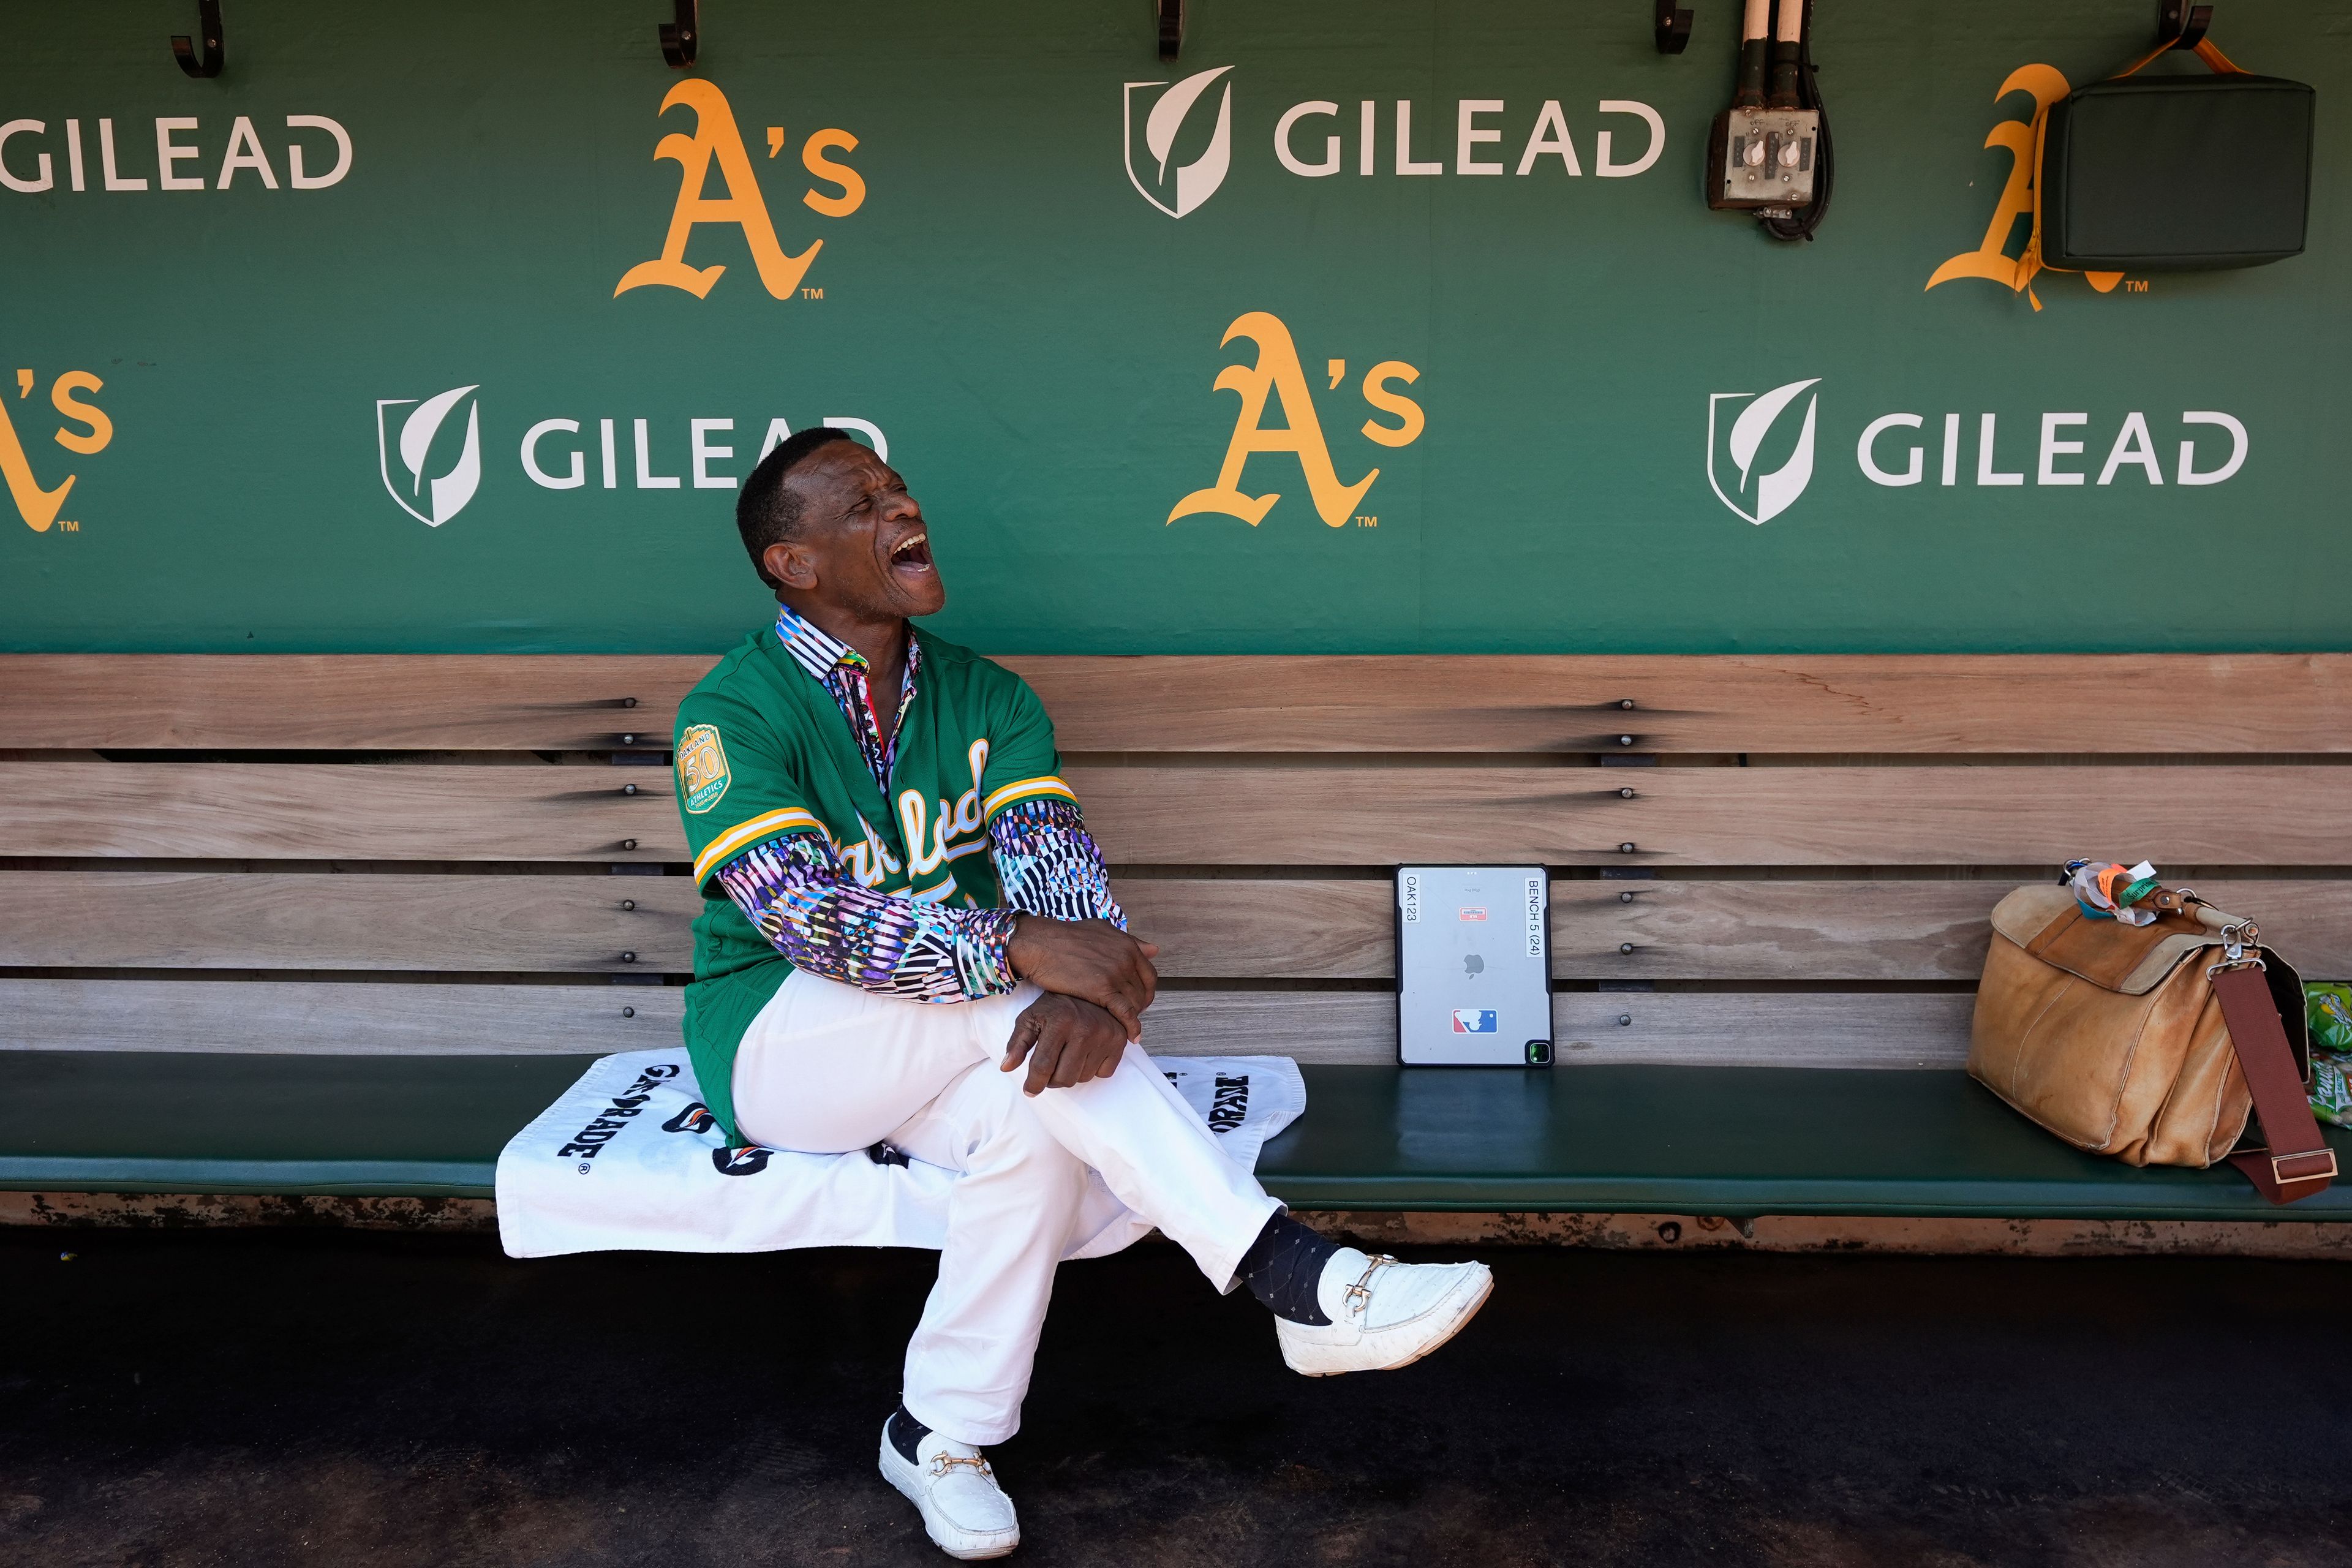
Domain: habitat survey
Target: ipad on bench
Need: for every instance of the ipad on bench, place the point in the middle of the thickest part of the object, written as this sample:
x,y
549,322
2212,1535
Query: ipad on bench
x,y
1474,966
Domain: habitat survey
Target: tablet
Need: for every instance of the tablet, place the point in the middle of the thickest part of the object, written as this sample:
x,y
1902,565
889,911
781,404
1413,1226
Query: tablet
x,y
1474,966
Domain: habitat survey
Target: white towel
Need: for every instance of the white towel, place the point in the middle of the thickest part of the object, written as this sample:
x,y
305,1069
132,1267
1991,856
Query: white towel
x,y
628,1158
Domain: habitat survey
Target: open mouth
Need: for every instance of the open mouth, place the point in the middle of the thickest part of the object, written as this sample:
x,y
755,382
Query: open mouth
x,y
912,555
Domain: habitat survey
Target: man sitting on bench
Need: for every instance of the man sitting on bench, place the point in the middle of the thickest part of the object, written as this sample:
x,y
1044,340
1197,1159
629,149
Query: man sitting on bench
x,y
901,896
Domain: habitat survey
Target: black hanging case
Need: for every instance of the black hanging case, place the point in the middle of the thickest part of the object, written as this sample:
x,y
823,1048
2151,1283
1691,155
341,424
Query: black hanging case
x,y
2169,173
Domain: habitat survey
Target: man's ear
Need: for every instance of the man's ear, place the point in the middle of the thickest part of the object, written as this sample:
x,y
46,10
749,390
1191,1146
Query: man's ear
x,y
789,565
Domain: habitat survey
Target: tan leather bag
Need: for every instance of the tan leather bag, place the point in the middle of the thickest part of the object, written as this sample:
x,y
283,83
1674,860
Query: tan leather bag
x,y
2151,1042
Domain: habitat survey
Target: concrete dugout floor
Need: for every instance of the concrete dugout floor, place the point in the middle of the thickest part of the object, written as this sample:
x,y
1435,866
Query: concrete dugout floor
x,y
250,1398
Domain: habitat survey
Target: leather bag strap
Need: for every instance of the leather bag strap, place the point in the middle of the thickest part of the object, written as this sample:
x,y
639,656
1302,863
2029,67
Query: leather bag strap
x,y
2298,1163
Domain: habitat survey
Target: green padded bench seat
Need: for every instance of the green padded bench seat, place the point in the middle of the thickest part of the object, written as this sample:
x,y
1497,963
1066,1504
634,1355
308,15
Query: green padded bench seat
x,y
1738,1142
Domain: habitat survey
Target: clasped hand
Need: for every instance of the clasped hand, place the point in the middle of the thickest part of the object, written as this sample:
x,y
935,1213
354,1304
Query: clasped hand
x,y
1098,980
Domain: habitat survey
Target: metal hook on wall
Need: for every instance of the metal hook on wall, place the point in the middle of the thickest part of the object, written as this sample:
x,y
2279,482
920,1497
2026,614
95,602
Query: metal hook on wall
x,y
2181,24
183,50
1673,27
680,39
1171,28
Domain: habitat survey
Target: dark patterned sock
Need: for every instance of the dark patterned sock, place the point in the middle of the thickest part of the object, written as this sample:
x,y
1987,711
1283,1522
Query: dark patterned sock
x,y
1283,1267
905,1432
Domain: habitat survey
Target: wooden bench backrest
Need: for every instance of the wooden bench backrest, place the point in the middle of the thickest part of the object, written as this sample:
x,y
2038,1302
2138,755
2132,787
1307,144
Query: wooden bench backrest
x,y
1795,854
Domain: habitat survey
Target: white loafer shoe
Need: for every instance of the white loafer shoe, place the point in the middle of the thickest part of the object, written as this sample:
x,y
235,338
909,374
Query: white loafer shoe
x,y
965,1512
1384,1314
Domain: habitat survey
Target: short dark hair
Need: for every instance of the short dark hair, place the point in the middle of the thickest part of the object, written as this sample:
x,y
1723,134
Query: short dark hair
x,y
767,512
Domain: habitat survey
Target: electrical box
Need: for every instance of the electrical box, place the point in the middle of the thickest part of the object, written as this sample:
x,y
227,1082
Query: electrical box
x,y
1763,158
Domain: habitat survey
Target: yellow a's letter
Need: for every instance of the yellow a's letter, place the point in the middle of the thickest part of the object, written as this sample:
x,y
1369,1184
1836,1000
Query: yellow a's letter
x,y
714,136
38,507
1276,371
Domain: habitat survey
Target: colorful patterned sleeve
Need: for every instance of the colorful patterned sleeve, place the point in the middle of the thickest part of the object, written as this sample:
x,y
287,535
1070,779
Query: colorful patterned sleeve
x,y
793,891
1049,865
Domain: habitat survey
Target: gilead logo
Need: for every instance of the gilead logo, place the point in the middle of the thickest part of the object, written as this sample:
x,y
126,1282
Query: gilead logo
x,y
402,458
1760,449
1179,149
38,506
1197,180
1770,493
429,450
1890,435
33,167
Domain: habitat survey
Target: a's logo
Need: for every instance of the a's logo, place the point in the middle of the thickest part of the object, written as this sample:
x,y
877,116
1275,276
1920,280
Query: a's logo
x,y
1474,1020
694,1118
419,448
702,767
1278,374
748,1161
2021,138
717,140
39,507
1150,154
1775,491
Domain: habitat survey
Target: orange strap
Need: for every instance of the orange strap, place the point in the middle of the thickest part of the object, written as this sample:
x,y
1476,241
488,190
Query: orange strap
x,y
2205,49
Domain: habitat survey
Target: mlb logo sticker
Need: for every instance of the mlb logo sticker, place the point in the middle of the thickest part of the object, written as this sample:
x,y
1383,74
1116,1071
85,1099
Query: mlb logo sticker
x,y
1474,1020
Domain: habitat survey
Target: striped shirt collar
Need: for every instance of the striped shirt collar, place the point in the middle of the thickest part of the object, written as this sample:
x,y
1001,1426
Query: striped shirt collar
x,y
821,653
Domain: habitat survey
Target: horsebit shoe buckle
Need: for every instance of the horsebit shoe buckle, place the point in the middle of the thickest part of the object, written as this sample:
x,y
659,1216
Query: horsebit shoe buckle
x,y
1358,1296
942,1463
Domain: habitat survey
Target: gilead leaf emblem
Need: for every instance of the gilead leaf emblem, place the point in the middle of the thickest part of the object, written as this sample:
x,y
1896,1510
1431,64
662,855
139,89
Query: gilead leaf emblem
x,y
1195,181
432,502
1774,492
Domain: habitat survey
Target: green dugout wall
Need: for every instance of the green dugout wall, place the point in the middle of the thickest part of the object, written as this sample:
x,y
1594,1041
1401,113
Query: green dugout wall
x,y
401,335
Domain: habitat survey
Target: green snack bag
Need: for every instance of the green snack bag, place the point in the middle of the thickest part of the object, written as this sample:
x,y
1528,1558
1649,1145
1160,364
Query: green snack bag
x,y
2329,1008
2331,1090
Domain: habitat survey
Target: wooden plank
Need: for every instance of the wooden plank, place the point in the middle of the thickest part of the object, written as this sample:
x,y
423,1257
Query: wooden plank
x,y
1252,930
1247,815
1240,928
257,810
1902,815
1815,704
292,1017
206,920
1819,1029
279,703
2136,704
1294,929
1791,1029
1867,931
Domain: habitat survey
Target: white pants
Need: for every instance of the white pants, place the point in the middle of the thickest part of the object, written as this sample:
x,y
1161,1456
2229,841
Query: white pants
x,y
826,1068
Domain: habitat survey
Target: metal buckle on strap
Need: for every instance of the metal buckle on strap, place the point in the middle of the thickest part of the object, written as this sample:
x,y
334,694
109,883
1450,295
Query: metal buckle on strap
x,y
1358,1296
2234,956
2282,1178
